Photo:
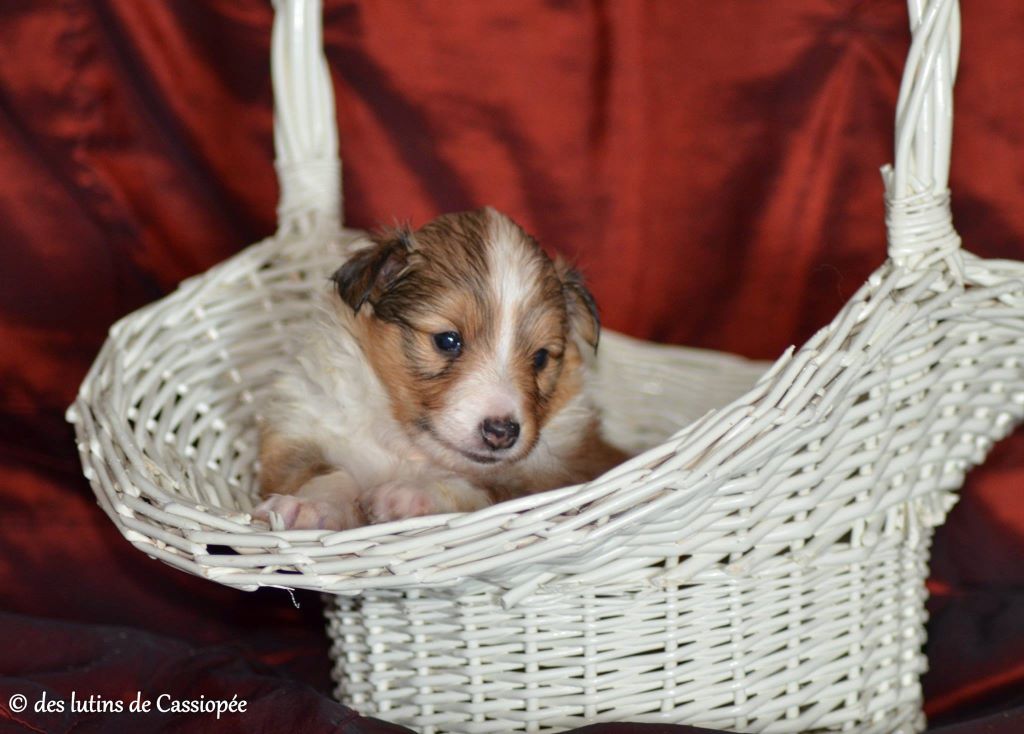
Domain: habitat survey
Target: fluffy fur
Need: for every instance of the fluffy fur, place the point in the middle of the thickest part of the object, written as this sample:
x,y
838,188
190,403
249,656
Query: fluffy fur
x,y
444,371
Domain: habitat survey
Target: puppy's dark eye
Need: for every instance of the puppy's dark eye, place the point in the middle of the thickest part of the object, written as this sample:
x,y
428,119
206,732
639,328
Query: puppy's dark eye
x,y
540,359
448,342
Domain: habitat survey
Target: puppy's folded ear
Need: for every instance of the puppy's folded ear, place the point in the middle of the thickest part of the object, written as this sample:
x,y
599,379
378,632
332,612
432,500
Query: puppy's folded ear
x,y
584,319
368,274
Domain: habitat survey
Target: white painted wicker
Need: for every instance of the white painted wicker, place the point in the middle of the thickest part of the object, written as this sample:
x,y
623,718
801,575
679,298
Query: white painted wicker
x,y
759,567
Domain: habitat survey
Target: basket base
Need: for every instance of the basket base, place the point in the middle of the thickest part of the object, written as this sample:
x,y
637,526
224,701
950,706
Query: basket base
x,y
828,649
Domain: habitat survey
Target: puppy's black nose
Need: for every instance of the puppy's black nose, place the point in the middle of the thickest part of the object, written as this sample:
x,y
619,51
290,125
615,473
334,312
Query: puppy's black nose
x,y
499,433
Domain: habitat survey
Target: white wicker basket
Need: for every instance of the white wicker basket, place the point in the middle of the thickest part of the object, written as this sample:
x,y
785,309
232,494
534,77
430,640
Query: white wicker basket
x,y
759,567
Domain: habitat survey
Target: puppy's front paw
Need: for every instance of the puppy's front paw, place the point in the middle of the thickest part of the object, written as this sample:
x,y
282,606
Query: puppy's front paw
x,y
398,500
288,512
403,498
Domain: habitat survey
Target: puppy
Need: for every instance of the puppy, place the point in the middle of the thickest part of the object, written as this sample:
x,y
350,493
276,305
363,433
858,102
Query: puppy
x,y
445,370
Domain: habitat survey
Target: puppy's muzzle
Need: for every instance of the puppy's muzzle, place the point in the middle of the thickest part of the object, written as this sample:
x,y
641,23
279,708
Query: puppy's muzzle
x,y
499,433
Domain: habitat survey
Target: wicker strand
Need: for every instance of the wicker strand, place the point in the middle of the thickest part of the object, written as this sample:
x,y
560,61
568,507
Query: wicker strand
x,y
921,233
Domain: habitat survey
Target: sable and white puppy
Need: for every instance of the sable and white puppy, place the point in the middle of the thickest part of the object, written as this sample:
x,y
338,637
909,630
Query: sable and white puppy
x,y
445,371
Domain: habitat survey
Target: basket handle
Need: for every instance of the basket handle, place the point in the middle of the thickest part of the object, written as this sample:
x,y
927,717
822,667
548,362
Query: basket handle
x,y
305,129
918,215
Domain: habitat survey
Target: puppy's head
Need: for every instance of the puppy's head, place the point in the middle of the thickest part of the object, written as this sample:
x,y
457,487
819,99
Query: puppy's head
x,y
473,330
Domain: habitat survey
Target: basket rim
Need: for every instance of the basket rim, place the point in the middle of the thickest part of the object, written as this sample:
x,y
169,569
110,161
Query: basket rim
x,y
536,529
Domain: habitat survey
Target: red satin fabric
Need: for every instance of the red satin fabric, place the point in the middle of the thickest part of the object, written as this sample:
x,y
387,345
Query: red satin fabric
x,y
711,166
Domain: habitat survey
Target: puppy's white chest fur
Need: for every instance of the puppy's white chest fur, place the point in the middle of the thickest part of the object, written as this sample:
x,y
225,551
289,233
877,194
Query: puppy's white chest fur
x,y
331,395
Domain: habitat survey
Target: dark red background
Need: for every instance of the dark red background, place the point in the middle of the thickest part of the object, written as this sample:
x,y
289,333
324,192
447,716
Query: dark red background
x,y
711,165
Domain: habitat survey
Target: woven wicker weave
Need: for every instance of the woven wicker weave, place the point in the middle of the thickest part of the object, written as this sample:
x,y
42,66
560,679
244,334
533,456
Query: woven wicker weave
x,y
759,567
